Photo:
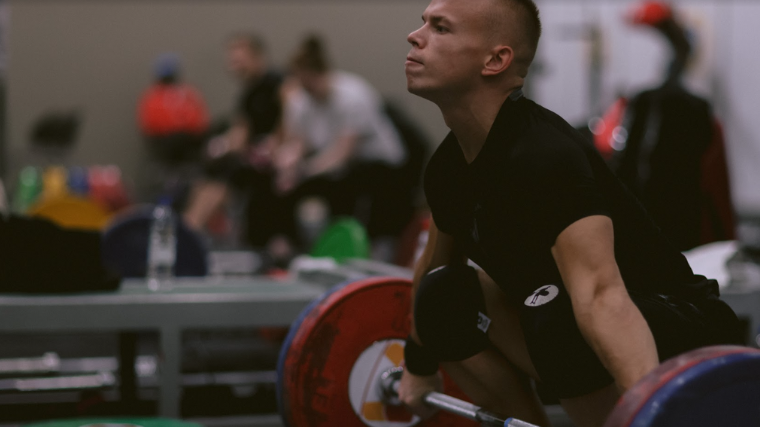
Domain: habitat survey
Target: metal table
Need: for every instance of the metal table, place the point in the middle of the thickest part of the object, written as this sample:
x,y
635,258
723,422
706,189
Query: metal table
x,y
746,304
189,303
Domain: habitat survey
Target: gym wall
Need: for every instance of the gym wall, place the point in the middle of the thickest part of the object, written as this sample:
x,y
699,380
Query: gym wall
x,y
96,55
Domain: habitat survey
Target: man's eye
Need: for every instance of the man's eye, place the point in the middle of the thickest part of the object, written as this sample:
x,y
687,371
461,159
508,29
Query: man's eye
x,y
441,29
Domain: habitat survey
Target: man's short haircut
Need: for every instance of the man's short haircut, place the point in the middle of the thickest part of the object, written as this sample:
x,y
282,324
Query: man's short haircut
x,y
527,16
311,56
532,20
253,41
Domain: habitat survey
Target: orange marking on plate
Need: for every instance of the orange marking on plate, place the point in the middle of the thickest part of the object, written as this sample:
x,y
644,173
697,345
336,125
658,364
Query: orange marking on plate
x,y
395,352
373,411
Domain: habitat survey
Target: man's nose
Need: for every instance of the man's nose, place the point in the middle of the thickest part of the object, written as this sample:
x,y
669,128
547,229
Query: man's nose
x,y
414,38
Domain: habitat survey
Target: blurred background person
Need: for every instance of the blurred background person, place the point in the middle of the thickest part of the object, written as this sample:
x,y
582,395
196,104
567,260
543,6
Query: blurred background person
x,y
240,157
174,121
343,148
666,145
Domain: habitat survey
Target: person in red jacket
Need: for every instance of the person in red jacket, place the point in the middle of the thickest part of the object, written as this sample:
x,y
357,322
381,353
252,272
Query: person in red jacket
x,y
172,115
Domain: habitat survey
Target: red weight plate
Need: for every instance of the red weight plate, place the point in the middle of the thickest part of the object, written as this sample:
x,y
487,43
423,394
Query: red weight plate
x,y
675,377
358,328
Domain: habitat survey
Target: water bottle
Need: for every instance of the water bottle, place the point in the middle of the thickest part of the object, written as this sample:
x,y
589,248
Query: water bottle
x,y
162,247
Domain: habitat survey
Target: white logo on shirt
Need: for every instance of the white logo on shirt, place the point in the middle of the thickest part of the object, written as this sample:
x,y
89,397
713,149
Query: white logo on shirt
x,y
542,295
483,322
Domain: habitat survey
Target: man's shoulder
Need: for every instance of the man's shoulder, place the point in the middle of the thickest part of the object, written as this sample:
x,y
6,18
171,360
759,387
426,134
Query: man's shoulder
x,y
543,147
548,135
545,122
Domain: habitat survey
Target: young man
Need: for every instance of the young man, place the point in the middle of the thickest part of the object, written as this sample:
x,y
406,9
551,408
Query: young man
x,y
578,288
241,156
348,150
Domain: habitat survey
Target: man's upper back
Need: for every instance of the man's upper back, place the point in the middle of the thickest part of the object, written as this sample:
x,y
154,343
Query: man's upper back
x,y
533,178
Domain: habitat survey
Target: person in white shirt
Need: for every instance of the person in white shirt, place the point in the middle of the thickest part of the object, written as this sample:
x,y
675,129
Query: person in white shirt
x,y
341,145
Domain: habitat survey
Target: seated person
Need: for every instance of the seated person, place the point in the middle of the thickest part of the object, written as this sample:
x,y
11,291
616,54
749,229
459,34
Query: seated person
x,y
172,115
240,156
340,145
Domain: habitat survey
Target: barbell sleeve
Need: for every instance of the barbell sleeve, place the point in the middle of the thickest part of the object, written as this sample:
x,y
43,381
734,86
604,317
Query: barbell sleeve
x,y
453,405
470,411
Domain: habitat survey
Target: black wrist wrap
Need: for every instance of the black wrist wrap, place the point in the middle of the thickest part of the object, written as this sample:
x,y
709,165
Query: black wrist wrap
x,y
418,360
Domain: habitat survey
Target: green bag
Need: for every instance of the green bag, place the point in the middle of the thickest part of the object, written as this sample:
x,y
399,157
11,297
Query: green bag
x,y
344,238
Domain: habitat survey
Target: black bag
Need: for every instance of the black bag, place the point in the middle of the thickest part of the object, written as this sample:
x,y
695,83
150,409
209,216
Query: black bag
x,y
37,256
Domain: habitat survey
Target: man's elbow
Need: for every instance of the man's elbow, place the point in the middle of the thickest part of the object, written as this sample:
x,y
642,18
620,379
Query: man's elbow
x,y
603,292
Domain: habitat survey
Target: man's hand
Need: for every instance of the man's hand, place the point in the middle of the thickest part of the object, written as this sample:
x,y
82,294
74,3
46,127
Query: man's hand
x,y
232,141
288,165
286,180
413,388
261,154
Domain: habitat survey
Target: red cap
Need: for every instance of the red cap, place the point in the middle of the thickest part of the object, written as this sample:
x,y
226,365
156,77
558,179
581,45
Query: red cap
x,y
650,13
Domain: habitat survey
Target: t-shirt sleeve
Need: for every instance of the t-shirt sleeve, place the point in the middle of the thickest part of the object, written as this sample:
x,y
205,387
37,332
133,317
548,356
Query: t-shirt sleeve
x,y
356,116
558,188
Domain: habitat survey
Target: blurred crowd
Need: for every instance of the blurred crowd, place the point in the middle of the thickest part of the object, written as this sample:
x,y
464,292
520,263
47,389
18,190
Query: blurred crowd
x,y
308,151
303,147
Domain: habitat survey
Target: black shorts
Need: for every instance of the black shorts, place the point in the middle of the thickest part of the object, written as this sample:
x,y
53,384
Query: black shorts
x,y
567,365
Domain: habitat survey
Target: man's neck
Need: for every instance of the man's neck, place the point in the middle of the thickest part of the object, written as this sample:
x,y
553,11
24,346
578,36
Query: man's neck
x,y
471,119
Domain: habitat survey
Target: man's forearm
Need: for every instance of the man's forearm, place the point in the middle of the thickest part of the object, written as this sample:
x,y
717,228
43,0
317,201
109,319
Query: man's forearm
x,y
620,336
332,158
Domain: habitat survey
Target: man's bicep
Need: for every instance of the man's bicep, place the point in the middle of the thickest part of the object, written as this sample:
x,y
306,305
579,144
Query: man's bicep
x,y
585,256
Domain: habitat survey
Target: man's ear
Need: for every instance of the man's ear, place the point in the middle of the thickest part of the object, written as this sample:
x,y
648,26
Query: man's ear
x,y
500,59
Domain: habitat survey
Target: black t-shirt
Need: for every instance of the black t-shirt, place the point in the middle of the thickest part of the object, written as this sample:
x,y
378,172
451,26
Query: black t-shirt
x,y
534,177
260,104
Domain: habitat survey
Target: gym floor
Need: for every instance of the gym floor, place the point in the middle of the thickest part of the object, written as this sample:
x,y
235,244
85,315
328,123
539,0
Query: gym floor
x,y
557,417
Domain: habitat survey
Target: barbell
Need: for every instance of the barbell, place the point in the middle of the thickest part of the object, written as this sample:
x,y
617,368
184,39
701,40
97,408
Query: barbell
x,y
389,382
340,363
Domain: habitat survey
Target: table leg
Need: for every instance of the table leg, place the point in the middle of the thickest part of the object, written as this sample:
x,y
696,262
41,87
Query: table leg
x,y
170,373
127,373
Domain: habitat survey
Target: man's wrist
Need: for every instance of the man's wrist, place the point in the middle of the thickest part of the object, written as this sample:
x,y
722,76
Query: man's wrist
x,y
419,361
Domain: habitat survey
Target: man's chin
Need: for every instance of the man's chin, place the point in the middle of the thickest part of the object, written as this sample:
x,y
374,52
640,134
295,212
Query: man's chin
x,y
418,90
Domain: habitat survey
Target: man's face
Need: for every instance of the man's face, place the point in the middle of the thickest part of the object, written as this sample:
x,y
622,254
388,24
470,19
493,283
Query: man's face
x,y
242,61
450,48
